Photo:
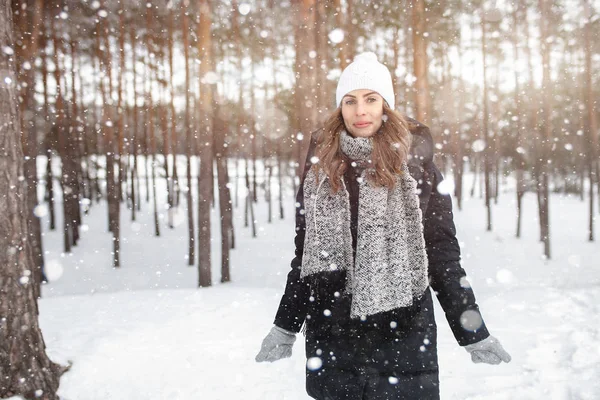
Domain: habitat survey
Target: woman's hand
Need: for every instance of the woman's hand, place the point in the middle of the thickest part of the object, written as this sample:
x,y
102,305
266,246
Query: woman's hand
x,y
488,351
276,345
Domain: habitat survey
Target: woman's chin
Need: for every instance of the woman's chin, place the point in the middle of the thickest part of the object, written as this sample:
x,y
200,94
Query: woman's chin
x,y
361,133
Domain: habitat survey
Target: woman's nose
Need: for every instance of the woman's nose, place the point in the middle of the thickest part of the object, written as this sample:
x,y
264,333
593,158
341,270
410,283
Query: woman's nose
x,y
360,108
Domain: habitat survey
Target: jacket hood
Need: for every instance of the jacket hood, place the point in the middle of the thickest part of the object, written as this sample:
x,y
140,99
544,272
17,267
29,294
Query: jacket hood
x,y
421,149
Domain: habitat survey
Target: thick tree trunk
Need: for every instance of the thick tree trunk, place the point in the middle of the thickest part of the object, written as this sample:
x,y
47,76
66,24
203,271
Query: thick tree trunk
x,y
420,63
205,180
22,347
340,20
30,20
60,127
322,59
305,84
351,33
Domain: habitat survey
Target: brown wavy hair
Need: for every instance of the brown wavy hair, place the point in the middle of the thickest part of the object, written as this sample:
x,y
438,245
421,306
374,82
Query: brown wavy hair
x,y
391,145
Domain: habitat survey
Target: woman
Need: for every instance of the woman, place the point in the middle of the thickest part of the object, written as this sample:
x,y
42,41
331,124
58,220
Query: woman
x,y
373,234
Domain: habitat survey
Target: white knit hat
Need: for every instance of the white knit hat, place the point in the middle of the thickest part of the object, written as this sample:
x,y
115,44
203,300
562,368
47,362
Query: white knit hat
x,y
365,72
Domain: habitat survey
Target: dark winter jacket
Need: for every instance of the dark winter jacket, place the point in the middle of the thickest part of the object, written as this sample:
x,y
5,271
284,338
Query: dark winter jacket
x,y
400,340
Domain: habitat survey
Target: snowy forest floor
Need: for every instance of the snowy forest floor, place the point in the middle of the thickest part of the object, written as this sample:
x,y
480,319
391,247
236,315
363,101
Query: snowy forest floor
x,y
145,331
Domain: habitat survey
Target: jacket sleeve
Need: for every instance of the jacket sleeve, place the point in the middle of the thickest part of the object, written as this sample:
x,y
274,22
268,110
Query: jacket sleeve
x,y
447,277
293,306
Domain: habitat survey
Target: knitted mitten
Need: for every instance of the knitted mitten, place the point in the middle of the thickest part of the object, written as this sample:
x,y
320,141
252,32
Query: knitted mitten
x,y
488,351
276,345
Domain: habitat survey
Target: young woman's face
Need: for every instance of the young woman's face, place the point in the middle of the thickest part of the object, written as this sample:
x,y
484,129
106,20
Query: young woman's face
x,y
362,110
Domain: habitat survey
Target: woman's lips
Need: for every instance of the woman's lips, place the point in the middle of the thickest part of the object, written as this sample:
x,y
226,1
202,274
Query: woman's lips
x,y
362,124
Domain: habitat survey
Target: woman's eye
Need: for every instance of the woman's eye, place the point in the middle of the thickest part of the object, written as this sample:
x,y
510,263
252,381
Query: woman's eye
x,y
372,99
349,102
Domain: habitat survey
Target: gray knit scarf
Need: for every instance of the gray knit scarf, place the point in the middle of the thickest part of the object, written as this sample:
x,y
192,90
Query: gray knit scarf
x,y
390,269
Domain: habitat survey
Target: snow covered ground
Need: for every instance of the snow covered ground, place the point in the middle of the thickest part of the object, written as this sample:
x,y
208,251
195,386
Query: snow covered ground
x,y
146,331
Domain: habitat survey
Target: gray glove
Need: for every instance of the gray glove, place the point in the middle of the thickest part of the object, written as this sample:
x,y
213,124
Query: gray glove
x,y
276,345
488,351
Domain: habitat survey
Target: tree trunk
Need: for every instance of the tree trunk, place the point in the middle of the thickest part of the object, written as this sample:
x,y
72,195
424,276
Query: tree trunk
x,y
305,78
420,63
108,126
72,149
395,64
592,125
340,20
188,136
475,168
75,147
26,53
48,147
134,129
249,212
487,151
545,128
205,180
322,60
173,121
120,133
520,165
98,147
22,347
62,134
350,30
84,145
253,130
224,197
148,106
280,178
121,156
268,191
150,116
164,134
459,163
239,118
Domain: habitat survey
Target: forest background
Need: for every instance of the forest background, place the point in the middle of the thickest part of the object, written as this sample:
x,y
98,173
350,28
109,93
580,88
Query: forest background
x,y
113,96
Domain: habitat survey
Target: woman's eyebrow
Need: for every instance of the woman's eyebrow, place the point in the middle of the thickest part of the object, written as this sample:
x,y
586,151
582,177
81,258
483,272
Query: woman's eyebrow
x,y
364,95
